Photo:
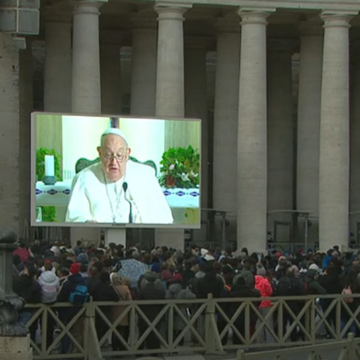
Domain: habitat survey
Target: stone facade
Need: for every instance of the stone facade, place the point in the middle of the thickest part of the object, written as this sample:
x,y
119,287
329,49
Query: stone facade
x,y
279,156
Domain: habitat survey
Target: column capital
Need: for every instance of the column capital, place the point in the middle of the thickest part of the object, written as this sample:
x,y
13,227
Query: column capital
x,y
311,28
170,10
111,37
87,6
255,15
282,45
228,24
337,18
198,42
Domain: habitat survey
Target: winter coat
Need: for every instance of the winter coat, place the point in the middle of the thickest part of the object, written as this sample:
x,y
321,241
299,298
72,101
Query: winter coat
x,y
49,284
150,289
313,286
176,291
211,283
28,288
116,310
263,285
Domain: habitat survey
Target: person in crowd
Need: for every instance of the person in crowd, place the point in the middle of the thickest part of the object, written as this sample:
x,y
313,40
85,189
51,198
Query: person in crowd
x,y
119,284
23,252
150,289
263,285
49,284
331,282
66,314
177,290
29,289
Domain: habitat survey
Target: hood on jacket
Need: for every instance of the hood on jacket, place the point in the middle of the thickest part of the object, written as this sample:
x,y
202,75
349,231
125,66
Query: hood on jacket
x,y
48,278
174,289
151,276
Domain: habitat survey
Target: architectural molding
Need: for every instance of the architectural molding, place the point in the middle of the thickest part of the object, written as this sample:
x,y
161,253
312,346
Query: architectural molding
x,y
331,5
336,19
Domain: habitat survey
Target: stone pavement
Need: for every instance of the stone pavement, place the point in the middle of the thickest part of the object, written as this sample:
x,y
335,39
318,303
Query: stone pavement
x,y
331,355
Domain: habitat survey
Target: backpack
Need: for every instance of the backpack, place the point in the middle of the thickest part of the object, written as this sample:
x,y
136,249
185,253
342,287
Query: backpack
x,y
347,291
284,286
80,295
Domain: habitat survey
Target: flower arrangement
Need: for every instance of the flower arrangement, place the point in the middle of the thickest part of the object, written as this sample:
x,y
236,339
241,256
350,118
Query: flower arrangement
x,y
180,168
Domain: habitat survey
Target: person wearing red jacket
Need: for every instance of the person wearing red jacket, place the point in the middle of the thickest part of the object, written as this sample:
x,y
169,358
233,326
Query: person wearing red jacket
x,y
263,285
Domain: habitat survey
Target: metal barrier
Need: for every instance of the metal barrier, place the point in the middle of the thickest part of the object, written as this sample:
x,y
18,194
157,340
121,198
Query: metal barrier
x,y
180,326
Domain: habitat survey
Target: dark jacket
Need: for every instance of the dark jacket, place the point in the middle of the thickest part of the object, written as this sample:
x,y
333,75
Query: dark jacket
x,y
211,283
150,290
28,288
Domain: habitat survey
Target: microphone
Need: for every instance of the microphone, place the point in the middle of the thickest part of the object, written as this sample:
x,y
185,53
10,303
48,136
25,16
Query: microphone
x,y
125,187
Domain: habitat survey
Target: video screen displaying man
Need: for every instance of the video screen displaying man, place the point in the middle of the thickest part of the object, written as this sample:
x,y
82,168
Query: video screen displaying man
x,y
116,189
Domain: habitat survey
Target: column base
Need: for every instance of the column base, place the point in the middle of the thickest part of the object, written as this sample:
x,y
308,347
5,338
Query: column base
x,y
117,236
15,348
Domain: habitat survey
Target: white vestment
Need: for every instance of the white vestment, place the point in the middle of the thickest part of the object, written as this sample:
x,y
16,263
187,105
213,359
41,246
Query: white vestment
x,y
95,199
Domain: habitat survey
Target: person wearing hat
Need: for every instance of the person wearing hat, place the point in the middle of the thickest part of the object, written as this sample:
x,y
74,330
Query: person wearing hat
x,y
100,192
67,313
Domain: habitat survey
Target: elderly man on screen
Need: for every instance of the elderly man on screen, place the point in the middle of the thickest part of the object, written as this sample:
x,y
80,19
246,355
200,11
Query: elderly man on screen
x,y
101,192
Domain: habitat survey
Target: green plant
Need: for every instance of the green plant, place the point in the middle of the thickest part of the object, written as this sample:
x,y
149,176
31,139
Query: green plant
x,y
48,212
40,163
180,168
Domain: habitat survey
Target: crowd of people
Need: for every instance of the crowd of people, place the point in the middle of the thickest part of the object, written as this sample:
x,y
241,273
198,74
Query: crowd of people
x,y
58,273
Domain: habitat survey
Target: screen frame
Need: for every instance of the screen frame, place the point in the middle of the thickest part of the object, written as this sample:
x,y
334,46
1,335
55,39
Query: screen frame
x,y
33,181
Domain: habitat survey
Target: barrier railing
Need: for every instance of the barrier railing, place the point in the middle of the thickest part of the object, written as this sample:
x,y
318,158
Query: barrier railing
x,y
177,326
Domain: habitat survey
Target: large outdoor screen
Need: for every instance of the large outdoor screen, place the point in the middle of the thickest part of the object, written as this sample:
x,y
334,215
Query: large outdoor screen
x,y
115,171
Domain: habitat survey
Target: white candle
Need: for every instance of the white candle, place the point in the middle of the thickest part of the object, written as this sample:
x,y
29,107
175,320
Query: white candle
x,y
49,165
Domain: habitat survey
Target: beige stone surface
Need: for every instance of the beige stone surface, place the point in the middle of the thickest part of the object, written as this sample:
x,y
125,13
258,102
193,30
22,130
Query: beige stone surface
x,y
15,348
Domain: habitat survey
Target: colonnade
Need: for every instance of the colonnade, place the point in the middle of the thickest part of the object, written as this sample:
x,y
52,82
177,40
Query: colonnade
x,y
253,158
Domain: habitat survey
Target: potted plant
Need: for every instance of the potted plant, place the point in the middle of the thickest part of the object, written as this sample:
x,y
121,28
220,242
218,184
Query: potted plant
x,y
180,168
48,212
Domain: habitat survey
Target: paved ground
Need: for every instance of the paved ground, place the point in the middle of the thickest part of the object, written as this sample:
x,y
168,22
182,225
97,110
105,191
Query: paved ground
x,y
232,356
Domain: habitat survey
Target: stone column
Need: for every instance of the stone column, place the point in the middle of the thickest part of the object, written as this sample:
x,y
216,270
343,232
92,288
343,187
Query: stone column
x,y
9,134
110,70
196,99
308,126
143,68
170,86
252,133
280,134
26,107
354,139
57,77
334,134
86,88
226,118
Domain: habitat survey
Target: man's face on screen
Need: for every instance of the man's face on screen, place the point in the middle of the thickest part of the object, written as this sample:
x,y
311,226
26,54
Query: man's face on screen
x,y
114,155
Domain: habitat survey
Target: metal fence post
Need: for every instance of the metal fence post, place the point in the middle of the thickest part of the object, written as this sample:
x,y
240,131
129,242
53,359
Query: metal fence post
x,y
91,343
240,355
209,331
351,353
